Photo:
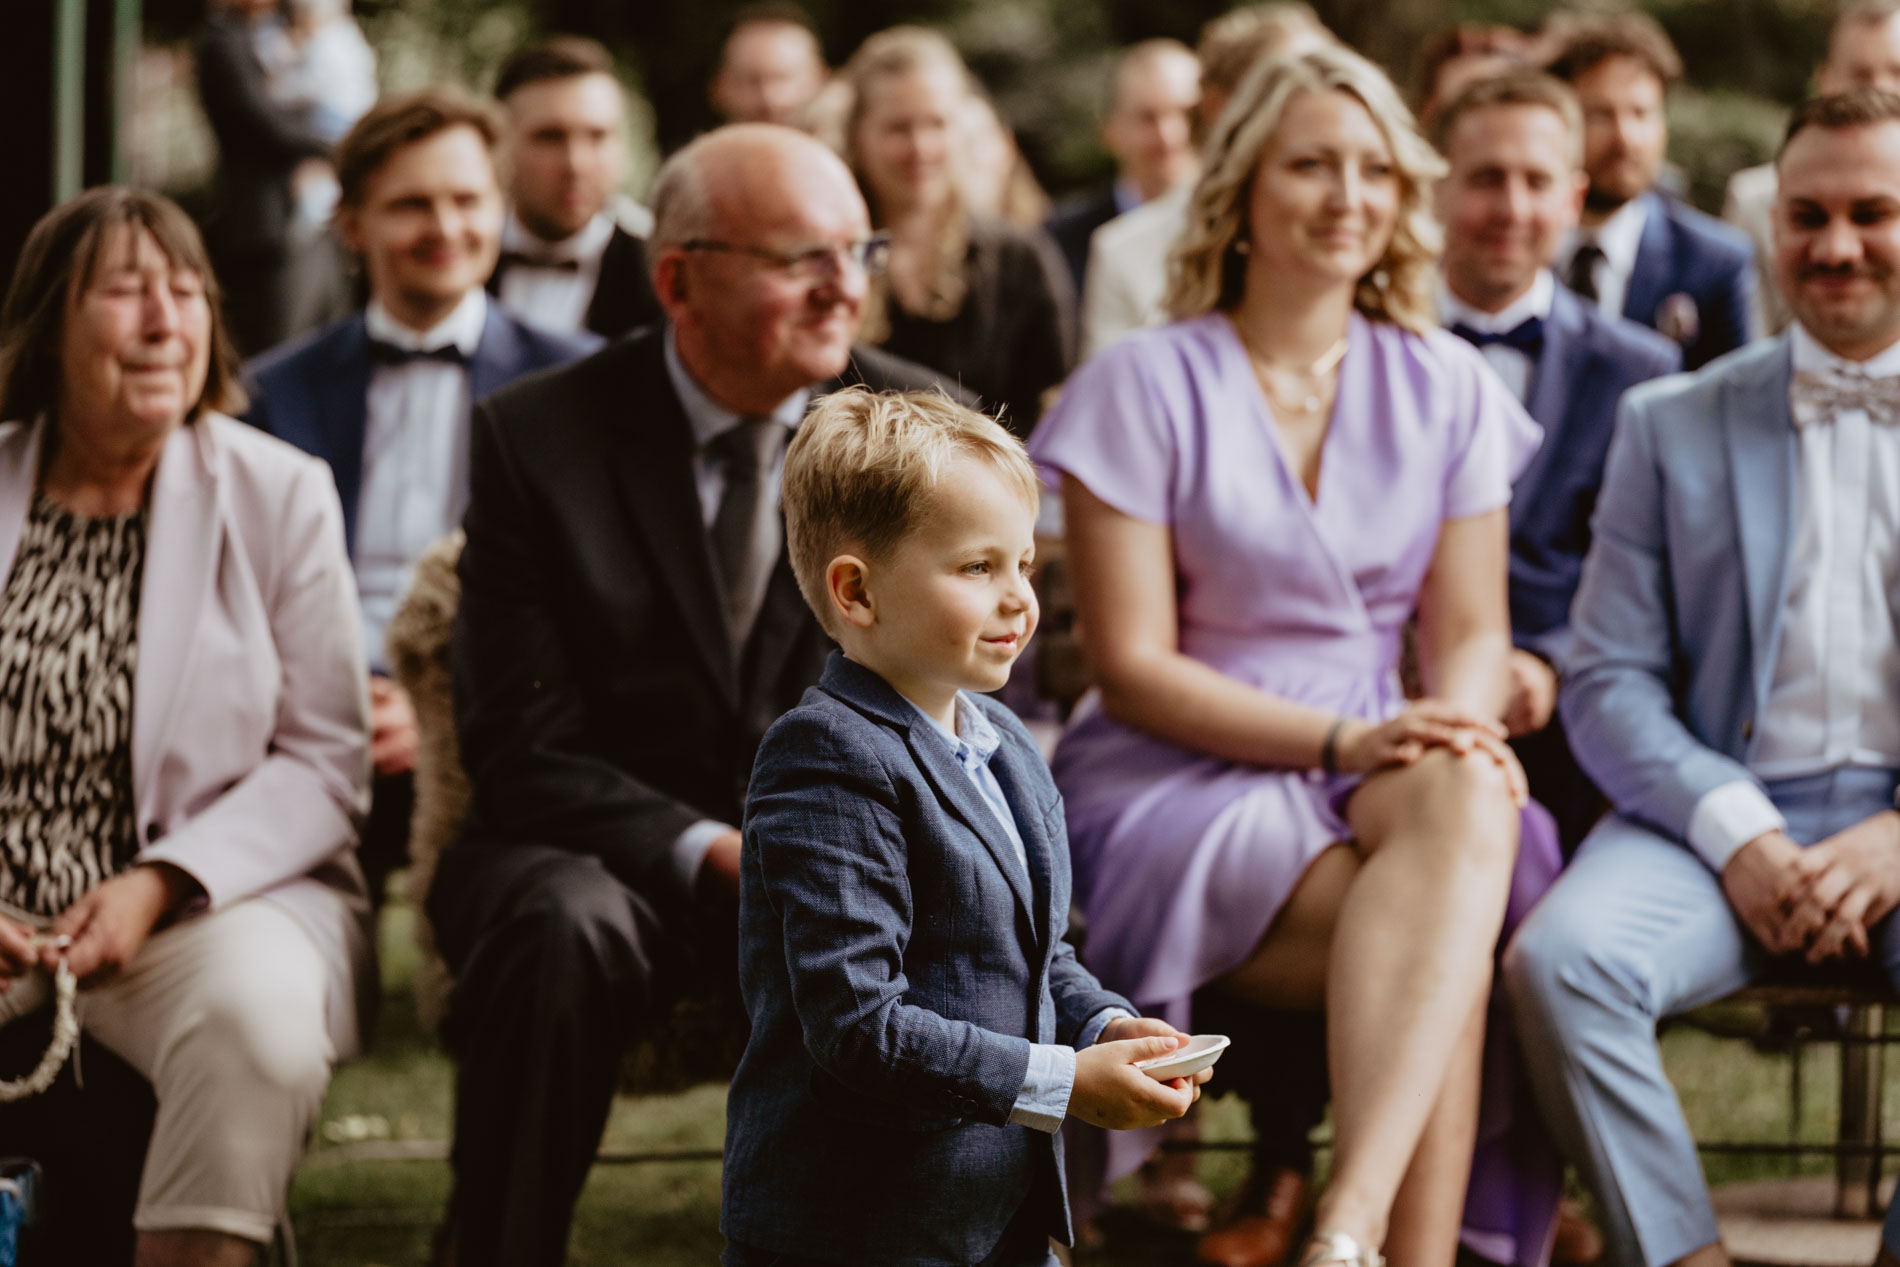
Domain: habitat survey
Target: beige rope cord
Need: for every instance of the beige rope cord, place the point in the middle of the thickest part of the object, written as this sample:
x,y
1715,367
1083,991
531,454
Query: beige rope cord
x,y
65,1027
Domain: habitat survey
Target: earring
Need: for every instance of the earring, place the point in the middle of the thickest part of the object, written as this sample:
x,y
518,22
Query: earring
x,y
1380,279
1242,246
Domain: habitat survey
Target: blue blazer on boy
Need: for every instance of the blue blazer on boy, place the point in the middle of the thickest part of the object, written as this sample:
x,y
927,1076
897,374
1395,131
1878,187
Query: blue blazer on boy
x,y
897,962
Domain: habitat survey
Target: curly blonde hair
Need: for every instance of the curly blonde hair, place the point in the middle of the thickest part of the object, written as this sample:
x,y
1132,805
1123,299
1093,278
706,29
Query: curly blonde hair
x,y
1207,269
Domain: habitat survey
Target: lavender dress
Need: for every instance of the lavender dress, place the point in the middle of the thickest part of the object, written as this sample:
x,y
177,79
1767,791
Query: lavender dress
x,y
1182,859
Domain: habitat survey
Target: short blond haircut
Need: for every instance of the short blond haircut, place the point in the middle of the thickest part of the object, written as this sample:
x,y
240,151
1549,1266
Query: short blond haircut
x,y
860,471
1207,269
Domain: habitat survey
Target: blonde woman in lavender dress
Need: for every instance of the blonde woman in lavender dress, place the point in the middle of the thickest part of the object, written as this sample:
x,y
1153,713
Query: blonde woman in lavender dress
x,y
1258,497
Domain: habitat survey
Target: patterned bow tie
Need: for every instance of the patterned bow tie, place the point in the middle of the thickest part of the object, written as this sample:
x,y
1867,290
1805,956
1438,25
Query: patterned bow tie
x,y
559,264
1820,396
1527,336
381,353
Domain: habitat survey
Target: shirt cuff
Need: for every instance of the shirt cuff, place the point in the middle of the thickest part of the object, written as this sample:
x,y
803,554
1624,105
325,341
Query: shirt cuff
x,y
1092,1030
1728,817
1044,1101
691,846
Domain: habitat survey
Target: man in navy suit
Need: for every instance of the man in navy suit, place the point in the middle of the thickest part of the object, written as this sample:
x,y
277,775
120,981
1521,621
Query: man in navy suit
x,y
1513,142
1641,252
1149,130
384,395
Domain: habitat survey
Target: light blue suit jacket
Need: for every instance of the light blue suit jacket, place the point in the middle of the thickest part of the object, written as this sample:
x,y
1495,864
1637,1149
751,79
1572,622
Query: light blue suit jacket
x,y
1677,619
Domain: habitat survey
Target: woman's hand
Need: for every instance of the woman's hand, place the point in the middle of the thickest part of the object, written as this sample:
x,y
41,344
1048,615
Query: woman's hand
x,y
109,926
17,951
1428,723
1364,747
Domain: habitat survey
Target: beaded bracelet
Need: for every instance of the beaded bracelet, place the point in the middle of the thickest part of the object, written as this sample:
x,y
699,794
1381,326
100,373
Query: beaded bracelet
x,y
65,1027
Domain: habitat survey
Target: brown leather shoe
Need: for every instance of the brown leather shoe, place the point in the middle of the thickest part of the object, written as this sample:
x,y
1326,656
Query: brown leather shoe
x,y
1576,1242
1262,1232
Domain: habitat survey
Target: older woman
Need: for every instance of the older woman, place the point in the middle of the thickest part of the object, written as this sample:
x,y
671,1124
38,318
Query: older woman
x,y
1258,496
966,295
183,724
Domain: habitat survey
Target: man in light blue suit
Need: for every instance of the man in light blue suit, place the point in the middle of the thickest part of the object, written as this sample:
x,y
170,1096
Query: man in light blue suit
x,y
1734,689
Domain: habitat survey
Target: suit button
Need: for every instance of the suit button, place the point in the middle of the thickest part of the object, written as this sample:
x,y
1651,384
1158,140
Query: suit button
x,y
1748,729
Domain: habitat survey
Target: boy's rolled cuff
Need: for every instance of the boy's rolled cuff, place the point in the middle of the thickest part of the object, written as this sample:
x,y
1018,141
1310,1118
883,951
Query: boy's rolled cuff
x,y
1050,1080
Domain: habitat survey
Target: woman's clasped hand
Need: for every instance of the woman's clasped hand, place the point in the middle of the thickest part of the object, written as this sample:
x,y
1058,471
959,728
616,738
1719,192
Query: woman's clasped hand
x,y
1365,747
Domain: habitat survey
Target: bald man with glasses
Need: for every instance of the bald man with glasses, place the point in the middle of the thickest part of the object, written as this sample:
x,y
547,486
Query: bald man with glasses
x,y
629,627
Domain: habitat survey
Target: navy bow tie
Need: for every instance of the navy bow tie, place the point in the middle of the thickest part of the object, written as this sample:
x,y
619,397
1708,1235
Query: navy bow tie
x,y
1527,336
381,353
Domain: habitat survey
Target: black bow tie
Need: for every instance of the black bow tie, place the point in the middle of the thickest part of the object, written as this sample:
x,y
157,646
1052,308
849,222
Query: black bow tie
x,y
381,353
510,259
1527,336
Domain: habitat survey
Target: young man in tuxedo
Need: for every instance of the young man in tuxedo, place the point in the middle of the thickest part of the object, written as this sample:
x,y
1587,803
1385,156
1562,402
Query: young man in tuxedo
x,y
1640,252
566,262
629,627
384,395
1514,189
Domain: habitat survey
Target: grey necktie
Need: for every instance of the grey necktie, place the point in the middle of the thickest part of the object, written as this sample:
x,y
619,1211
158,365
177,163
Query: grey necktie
x,y
746,532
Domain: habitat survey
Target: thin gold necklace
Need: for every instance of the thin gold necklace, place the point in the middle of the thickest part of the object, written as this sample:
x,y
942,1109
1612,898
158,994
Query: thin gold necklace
x,y
1328,361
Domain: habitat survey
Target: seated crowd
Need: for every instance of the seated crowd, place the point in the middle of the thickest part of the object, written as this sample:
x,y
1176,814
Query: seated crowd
x,y
1491,624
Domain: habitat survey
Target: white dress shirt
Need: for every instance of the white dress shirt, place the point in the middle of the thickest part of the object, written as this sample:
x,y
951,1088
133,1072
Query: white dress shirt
x,y
1126,285
1837,674
415,458
554,298
1620,238
709,420
1513,366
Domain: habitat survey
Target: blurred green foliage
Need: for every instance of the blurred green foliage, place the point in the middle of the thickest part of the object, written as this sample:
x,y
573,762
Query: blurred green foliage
x,y
1046,61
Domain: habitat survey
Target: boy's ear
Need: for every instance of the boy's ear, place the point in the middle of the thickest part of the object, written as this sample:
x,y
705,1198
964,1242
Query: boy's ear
x,y
848,590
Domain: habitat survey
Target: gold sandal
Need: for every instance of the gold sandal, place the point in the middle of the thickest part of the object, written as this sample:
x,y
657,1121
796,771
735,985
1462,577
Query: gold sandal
x,y
1328,1246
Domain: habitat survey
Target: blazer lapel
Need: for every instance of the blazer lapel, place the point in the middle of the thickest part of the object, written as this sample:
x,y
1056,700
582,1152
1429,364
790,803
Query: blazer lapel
x,y
181,562
498,355
340,392
651,453
1550,396
940,766
19,476
1030,825
1655,269
1759,430
869,693
613,310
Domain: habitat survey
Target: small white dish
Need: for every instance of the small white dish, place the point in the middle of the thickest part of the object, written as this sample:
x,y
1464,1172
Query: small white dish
x,y
1187,1060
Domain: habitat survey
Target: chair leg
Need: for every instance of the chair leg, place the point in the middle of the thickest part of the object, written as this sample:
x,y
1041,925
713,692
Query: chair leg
x,y
1857,1172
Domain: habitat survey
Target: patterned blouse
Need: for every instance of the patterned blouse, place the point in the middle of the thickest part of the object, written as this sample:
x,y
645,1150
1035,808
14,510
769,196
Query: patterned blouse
x,y
68,652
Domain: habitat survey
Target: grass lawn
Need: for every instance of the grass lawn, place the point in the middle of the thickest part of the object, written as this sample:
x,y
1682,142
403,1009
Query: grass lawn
x,y
362,1213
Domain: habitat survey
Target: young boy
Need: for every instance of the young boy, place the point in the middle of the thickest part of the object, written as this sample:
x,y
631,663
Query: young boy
x,y
919,1026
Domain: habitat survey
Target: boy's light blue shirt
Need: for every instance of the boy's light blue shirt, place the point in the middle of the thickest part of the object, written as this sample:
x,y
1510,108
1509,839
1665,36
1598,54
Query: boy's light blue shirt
x,y
1047,1086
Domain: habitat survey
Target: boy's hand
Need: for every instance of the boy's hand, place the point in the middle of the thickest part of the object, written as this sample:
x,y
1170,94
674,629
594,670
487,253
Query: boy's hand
x,y
1109,1091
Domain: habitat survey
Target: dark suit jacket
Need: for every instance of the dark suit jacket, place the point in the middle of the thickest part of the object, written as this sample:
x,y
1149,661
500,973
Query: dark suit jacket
x,y
623,297
259,143
897,963
1687,253
1588,362
1073,223
596,697
314,391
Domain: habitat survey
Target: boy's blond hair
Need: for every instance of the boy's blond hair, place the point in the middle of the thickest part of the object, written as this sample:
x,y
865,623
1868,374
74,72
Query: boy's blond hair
x,y
860,470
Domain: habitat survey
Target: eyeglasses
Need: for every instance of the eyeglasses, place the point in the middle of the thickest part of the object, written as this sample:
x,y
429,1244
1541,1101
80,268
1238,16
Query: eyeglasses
x,y
814,264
